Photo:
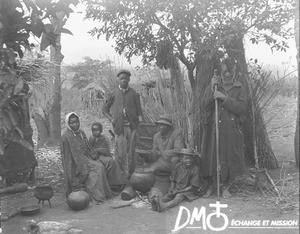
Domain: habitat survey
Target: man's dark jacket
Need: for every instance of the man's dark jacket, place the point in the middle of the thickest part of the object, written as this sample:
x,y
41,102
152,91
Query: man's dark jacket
x,y
117,100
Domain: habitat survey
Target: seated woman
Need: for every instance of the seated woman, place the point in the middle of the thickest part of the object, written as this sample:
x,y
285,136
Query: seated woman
x,y
101,145
81,168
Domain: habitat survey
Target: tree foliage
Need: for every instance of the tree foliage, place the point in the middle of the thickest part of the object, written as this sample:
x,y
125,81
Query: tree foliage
x,y
198,33
139,26
20,19
93,71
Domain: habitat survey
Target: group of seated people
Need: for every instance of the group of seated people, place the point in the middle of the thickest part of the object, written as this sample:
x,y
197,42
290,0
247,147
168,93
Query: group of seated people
x,y
89,165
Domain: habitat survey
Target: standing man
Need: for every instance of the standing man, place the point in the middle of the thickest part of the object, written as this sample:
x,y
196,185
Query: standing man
x,y
232,98
123,109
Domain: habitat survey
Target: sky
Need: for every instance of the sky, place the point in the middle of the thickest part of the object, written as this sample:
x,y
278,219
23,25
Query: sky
x,y
82,44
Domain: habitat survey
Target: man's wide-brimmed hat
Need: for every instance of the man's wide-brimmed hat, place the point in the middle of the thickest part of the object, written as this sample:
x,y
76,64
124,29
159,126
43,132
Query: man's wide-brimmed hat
x,y
123,71
165,119
188,151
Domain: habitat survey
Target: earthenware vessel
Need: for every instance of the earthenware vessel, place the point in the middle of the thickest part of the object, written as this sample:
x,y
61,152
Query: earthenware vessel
x,y
142,181
78,200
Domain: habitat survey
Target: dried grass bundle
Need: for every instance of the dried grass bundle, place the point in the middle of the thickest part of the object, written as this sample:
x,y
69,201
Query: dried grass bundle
x,y
263,92
49,170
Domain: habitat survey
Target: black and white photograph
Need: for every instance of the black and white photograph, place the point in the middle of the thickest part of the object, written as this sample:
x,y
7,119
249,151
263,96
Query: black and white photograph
x,y
149,116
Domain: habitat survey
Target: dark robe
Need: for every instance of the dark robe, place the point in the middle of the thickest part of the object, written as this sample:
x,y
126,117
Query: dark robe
x,y
113,171
80,171
231,140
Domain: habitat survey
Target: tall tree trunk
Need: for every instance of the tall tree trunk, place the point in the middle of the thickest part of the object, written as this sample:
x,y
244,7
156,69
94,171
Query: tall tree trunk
x,y
204,73
42,129
179,97
56,57
297,38
165,59
55,111
266,157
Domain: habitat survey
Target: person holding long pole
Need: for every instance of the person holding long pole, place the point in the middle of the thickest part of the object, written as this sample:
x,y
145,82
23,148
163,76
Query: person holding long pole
x,y
222,149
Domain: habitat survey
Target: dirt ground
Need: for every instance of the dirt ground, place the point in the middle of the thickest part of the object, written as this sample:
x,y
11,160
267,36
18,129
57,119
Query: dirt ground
x,y
103,219
247,204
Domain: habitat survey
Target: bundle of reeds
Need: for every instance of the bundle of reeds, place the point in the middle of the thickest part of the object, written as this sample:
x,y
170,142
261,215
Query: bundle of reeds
x,y
263,91
157,98
155,94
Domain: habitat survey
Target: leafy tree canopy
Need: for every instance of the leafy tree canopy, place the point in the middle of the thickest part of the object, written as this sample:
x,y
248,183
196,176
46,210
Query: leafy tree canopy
x,y
139,27
19,19
93,71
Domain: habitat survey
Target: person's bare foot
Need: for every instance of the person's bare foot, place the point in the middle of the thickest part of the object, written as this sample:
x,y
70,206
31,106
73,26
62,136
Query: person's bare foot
x,y
154,203
208,193
225,193
147,169
159,205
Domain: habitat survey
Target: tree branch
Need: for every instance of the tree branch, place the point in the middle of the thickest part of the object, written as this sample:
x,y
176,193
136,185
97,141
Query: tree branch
x,y
180,48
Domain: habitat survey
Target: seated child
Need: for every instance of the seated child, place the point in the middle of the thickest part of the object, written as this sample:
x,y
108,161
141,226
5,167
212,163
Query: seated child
x,y
101,145
185,181
99,141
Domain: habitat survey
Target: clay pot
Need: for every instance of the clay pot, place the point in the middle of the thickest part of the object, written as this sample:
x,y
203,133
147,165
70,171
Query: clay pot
x,y
78,200
128,193
43,192
142,181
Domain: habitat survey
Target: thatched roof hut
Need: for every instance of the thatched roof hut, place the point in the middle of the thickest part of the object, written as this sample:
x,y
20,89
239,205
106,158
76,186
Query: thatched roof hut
x,y
93,95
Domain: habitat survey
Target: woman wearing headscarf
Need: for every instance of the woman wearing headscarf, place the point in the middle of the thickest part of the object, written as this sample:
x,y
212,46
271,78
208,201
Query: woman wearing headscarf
x,y
81,170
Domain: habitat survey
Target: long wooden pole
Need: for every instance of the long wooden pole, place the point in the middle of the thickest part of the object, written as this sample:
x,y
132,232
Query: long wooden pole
x,y
217,140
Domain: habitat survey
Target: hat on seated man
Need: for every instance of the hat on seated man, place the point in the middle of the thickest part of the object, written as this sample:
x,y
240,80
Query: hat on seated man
x,y
165,119
123,71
